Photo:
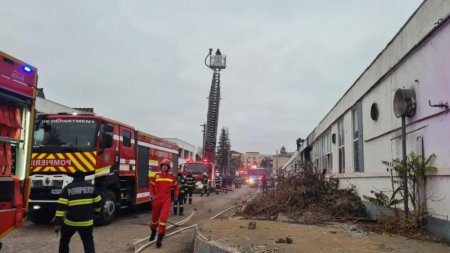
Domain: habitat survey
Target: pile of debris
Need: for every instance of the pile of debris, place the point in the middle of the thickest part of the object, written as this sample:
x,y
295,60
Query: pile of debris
x,y
306,197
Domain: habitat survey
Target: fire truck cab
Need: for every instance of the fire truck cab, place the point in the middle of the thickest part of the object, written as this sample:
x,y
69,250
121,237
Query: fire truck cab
x,y
17,100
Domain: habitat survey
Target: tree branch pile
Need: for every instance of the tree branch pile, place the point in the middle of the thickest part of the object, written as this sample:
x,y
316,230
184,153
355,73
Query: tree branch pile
x,y
307,197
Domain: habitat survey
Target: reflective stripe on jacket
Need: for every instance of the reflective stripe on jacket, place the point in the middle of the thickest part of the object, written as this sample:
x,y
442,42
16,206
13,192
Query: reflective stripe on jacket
x,y
77,204
162,185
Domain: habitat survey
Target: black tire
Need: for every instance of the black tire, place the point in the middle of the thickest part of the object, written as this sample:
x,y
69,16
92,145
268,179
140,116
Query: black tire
x,y
40,217
109,208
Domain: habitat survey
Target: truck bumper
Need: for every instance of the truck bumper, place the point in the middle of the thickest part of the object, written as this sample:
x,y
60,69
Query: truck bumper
x,y
41,212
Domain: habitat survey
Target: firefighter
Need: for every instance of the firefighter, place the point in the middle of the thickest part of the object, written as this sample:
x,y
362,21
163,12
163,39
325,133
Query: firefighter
x,y
205,182
78,202
160,189
190,185
217,181
181,186
237,182
263,184
226,183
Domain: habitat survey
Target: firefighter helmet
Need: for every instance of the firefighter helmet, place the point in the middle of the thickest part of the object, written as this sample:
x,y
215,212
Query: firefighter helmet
x,y
189,172
180,172
166,162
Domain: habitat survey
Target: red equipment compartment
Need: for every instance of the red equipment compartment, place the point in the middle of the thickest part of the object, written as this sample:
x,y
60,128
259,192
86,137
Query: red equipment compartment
x,y
17,76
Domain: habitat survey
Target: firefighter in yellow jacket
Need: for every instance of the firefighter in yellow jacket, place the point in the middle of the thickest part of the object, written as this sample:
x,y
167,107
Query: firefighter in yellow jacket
x,y
74,212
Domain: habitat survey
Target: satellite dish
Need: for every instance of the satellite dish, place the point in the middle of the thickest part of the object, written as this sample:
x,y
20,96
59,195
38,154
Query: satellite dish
x,y
404,103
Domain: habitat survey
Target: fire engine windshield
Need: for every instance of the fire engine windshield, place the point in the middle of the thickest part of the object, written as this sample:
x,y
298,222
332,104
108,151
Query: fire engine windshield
x,y
76,134
197,168
257,172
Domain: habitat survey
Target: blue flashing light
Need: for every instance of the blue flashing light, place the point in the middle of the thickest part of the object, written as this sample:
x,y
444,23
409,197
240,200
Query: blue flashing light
x,y
27,69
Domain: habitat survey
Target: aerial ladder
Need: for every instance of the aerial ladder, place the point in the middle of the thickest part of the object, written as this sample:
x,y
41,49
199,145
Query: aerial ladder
x,y
217,62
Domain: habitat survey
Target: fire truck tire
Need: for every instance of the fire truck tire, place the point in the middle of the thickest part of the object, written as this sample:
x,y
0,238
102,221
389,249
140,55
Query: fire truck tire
x,y
109,208
41,217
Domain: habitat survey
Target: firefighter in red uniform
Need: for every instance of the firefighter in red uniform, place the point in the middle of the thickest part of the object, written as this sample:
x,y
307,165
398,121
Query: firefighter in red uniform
x,y
160,189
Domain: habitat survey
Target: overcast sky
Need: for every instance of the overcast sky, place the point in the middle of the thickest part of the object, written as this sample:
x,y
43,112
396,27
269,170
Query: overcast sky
x,y
141,62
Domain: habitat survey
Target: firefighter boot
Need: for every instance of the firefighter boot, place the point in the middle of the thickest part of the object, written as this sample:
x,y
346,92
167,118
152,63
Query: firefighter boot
x,y
159,241
152,235
175,210
181,211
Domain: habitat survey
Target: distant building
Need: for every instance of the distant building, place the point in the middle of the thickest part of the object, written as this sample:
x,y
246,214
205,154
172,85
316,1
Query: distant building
x,y
254,159
279,160
186,151
235,161
45,106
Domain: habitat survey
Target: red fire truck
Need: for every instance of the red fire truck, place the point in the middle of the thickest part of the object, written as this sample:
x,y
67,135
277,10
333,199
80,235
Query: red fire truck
x,y
117,158
17,100
198,168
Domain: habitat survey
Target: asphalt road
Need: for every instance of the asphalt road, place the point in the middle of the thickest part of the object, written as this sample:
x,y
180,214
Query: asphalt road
x,y
126,229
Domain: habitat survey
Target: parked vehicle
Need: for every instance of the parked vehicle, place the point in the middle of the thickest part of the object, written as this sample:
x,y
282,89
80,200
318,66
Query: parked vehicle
x,y
198,168
18,82
256,176
117,158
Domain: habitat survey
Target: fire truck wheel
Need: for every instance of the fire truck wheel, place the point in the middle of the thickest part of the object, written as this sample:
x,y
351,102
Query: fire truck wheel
x,y
40,217
109,208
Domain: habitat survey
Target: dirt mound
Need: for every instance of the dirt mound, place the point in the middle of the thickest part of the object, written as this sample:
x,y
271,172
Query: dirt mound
x,y
307,198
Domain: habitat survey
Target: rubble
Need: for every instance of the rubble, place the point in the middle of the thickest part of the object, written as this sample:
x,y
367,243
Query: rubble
x,y
288,240
307,198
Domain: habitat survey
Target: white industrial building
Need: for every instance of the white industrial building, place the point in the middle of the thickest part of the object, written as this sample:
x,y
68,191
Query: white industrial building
x,y
45,106
361,130
186,151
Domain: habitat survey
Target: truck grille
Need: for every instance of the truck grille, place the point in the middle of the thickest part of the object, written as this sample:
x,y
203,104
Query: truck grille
x,y
37,184
40,184
58,183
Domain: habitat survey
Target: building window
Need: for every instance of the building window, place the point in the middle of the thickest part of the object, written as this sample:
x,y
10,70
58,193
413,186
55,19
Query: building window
x,y
358,160
322,153
341,145
126,138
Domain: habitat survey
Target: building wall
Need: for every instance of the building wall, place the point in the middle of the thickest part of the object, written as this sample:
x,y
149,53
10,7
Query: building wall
x,y
417,58
186,151
45,106
279,161
253,158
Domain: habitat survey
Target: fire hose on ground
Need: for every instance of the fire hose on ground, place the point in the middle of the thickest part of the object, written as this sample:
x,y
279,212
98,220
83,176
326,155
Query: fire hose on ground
x,y
137,250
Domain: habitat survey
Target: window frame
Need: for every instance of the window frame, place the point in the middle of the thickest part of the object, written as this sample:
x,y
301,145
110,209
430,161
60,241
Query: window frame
x,y
126,140
341,145
357,138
